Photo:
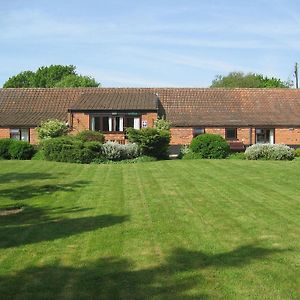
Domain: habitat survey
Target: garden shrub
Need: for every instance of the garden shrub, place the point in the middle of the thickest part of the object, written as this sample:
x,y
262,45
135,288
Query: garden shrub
x,y
297,152
269,152
152,142
237,155
4,146
20,150
39,155
162,124
192,155
90,136
52,129
94,146
210,146
68,149
115,151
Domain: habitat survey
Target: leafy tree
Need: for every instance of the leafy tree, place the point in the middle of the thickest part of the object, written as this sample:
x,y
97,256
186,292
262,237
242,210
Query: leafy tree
x,y
22,80
52,129
77,81
162,124
52,76
249,80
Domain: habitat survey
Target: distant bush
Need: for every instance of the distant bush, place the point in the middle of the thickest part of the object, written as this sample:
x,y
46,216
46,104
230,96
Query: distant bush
x,y
152,142
140,159
297,152
192,155
68,149
52,129
210,146
269,152
237,155
39,155
20,150
162,124
4,146
90,136
115,151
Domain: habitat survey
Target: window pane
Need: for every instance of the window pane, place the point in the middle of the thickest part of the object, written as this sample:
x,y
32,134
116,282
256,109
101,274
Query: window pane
x,y
15,134
129,122
105,123
198,131
116,124
25,135
97,123
137,123
230,133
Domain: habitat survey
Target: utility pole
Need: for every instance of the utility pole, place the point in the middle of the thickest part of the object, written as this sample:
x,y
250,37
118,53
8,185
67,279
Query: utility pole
x,y
296,75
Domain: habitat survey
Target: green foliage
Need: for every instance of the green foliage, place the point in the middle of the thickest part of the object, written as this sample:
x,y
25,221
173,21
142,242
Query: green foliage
x,y
94,146
269,152
39,155
90,135
162,124
250,80
51,76
191,155
115,151
20,150
4,148
297,152
22,80
140,159
52,129
237,155
74,80
152,142
210,146
68,149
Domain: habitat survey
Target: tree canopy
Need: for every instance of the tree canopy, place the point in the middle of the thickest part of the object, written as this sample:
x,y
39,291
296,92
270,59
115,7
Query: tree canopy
x,y
249,80
52,76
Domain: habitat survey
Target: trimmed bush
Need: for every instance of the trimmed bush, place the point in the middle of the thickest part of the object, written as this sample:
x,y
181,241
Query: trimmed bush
x,y
114,151
52,129
192,155
20,150
162,124
237,155
4,146
269,152
297,152
68,149
152,142
210,146
90,136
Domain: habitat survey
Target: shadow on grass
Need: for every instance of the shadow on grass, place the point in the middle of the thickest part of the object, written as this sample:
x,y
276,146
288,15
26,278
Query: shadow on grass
x,y
14,236
29,191
16,177
180,277
33,215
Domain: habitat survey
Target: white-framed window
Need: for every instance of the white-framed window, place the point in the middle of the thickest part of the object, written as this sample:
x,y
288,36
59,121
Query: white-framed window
x,y
264,136
20,134
109,123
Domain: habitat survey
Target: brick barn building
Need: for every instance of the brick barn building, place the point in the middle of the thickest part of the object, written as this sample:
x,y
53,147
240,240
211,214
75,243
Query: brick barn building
x,y
242,116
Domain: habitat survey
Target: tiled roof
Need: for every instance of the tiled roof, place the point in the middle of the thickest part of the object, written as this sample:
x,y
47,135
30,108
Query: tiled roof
x,y
182,106
116,100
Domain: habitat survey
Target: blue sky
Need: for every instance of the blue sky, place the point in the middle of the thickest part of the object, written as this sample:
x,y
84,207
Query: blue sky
x,y
151,43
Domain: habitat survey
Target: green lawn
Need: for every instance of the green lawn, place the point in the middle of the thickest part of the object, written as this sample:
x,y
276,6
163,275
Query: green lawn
x,y
225,229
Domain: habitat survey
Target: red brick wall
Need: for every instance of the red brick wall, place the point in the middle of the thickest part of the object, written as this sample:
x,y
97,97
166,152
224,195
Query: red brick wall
x,y
150,118
79,122
4,133
33,136
181,135
287,136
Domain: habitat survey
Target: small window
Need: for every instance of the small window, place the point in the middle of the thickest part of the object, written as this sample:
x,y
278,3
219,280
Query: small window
x,y
20,134
231,133
198,131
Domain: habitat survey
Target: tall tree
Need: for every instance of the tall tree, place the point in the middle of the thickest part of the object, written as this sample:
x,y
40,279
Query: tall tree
x,y
52,76
249,80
